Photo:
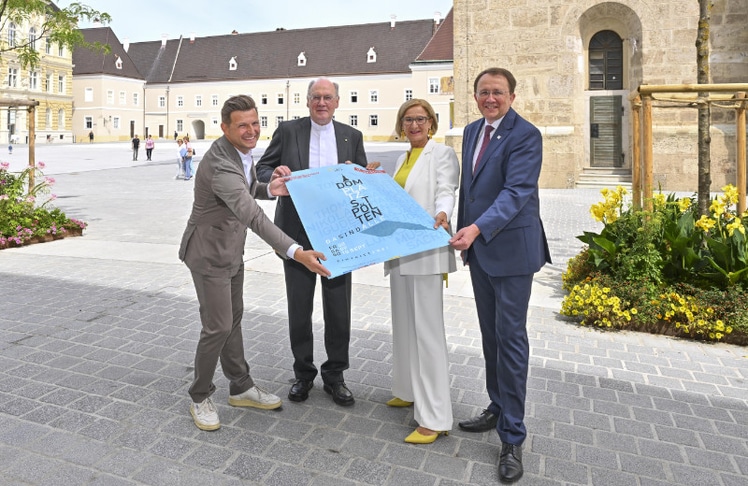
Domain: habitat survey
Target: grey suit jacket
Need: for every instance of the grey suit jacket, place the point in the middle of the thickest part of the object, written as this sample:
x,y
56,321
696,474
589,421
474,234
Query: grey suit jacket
x,y
224,206
290,147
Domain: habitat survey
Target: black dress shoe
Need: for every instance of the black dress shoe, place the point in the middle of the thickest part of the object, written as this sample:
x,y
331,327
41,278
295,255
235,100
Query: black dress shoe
x,y
510,463
340,393
300,390
482,423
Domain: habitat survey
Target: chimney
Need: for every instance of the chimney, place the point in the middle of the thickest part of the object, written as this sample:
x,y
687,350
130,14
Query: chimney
x,y
126,44
234,32
192,38
393,19
163,40
437,18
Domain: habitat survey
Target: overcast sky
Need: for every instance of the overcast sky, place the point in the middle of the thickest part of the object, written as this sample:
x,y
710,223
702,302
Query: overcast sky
x,y
144,20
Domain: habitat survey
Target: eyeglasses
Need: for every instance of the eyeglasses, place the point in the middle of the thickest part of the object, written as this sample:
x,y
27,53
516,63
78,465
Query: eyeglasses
x,y
496,93
317,98
418,120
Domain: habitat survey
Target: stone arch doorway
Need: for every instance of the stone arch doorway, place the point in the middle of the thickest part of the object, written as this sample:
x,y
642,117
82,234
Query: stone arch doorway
x,y
198,128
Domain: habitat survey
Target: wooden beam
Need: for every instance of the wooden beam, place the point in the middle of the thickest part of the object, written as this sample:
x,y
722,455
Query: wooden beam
x,y
647,143
636,162
741,153
647,89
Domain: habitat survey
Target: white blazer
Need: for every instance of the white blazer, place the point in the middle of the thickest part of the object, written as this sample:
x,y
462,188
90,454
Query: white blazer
x,y
432,182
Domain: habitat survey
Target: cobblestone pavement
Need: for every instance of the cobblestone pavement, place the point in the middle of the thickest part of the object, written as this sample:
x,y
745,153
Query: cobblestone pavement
x,y
97,339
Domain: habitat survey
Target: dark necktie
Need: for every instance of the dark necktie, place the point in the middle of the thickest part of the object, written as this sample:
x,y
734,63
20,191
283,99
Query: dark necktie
x,y
484,146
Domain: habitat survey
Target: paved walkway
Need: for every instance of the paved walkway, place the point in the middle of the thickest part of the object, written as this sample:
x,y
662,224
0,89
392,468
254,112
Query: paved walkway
x,y
97,336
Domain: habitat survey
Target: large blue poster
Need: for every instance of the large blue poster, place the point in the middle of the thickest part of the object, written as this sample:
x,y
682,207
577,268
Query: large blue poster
x,y
360,217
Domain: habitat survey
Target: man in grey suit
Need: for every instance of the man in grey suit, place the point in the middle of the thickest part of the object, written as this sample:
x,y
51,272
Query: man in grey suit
x,y
212,247
314,141
501,237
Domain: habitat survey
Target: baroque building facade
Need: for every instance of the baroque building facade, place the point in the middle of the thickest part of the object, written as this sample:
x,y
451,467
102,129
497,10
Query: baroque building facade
x,y
576,65
49,83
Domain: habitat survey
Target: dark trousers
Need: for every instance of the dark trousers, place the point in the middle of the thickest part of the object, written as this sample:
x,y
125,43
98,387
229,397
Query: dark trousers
x,y
336,308
221,309
502,312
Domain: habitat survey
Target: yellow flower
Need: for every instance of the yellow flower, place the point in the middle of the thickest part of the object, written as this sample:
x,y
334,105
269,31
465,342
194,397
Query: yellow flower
x,y
684,203
705,223
717,208
659,200
730,194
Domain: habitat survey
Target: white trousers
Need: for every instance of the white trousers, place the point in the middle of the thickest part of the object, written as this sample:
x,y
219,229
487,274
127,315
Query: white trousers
x,y
420,367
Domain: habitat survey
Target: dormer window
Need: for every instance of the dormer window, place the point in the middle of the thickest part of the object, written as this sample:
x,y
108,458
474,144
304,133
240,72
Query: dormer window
x,y
371,56
301,59
118,63
232,64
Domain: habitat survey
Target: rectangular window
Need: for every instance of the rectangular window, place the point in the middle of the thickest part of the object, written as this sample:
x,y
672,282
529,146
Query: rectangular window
x,y
34,81
122,98
280,99
278,120
88,94
110,97
214,100
373,120
264,99
263,122
354,96
353,120
295,117
88,122
198,100
12,77
60,119
180,101
296,98
162,101
135,99
50,87
61,83
180,125
115,122
48,46
408,94
434,85
214,121
60,50
374,96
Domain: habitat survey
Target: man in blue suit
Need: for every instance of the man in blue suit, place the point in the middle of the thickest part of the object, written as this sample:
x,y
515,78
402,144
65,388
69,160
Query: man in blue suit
x,y
501,238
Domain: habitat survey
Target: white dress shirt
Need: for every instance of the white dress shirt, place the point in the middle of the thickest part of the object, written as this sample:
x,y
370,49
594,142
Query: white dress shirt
x,y
323,150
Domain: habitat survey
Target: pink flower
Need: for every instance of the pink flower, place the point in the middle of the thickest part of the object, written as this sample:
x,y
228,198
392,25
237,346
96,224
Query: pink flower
x,y
30,199
49,180
41,165
4,165
52,197
3,196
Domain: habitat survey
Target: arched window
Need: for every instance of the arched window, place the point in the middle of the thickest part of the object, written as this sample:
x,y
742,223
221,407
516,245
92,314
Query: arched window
x,y
32,38
606,61
12,34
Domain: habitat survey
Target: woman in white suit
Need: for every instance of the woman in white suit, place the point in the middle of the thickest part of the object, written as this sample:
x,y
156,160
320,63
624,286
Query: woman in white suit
x,y
429,172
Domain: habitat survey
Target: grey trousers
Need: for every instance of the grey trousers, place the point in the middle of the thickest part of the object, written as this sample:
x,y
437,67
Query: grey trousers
x,y
221,309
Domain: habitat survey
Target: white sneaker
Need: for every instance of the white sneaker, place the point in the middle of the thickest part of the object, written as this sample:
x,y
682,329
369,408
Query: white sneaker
x,y
205,415
255,397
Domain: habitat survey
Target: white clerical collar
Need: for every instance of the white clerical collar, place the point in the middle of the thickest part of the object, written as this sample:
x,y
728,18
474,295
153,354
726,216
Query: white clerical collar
x,y
321,128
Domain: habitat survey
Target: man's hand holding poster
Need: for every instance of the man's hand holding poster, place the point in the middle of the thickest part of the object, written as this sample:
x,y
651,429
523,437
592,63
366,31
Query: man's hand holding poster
x,y
360,217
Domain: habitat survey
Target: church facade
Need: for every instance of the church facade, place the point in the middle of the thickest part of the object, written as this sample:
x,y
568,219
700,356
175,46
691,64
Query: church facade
x,y
577,64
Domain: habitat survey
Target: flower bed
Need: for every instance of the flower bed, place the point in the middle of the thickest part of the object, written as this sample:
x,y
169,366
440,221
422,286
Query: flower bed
x,y
666,271
26,215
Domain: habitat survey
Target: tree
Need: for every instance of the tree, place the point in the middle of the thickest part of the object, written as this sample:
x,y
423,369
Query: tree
x,y
704,116
58,25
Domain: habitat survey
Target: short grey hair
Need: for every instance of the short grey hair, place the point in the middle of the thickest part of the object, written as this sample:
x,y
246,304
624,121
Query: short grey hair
x,y
314,81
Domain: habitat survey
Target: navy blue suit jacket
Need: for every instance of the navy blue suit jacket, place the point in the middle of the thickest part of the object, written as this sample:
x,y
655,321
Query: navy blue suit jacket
x,y
501,198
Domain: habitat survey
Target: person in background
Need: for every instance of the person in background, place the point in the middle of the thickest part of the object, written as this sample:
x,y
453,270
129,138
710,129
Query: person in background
x,y
135,147
149,144
429,172
212,248
501,237
181,152
187,158
314,141
90,136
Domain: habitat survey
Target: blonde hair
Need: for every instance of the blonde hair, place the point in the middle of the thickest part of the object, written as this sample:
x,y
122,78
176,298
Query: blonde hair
x,y
410,104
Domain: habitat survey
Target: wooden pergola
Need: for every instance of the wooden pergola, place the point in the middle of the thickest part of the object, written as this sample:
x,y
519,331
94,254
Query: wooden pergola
x,y
31,108
641,120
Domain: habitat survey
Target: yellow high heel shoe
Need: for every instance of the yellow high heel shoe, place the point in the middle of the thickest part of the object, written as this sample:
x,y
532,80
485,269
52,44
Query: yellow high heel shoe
x,y
418,438
398,402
